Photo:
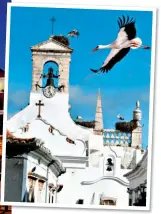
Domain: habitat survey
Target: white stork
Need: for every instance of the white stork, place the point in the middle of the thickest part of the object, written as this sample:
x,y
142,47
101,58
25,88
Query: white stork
x,y
126,39
73,33
79,118
120,117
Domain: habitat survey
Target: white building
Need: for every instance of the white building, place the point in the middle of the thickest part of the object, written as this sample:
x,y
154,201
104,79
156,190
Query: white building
x,y
95,159
138,183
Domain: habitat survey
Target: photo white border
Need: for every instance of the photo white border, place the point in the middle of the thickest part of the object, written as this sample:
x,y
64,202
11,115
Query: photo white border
x,y
151,104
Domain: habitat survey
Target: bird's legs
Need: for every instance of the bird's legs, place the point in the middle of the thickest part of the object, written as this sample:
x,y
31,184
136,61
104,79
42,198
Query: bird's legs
x,y
145,47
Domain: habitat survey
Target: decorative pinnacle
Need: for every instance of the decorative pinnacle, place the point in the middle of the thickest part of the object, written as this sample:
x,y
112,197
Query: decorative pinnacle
x,y
137,104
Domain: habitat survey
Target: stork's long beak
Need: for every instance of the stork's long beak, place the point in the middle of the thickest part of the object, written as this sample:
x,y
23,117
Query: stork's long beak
x,y
95,49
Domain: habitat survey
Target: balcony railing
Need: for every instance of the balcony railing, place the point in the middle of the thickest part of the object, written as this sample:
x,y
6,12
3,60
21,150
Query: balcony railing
x,y
114,137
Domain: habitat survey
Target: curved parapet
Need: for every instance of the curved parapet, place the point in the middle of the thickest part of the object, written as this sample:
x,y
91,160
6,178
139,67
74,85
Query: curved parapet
x,y
106,178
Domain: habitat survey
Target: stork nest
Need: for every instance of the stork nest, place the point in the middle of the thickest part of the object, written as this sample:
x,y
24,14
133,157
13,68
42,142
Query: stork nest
x,y
126,127
62,39
87,124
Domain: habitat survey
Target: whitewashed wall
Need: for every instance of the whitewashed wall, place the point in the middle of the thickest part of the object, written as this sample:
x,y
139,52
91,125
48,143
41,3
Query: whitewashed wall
x,y
74,190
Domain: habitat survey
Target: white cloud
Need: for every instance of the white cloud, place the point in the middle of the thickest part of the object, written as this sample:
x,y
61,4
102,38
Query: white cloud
x,y
79,96
112,100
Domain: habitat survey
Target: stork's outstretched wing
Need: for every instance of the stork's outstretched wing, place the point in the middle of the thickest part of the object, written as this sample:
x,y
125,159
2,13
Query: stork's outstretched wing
x,y
115,56
127,30
128,26
122,37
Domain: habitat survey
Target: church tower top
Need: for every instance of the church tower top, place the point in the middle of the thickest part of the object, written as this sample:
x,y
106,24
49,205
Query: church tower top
x,y
56,49
98,117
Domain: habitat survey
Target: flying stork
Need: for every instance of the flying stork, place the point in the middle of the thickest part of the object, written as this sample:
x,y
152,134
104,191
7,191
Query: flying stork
x,y
126,39
73,33
120,117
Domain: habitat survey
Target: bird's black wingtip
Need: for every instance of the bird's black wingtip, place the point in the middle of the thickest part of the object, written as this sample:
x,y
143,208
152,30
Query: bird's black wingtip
x,y
122,21
95,70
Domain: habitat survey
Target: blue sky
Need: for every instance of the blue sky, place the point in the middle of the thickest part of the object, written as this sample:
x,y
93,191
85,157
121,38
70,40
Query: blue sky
x,y
126,83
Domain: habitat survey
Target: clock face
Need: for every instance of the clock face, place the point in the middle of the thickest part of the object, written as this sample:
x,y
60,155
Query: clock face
x,y
49,91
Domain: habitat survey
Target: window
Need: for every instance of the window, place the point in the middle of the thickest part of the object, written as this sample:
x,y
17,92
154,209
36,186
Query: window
x,y
80,201
31,191
108,202
51,198
130,201
51,193
40,191
5,209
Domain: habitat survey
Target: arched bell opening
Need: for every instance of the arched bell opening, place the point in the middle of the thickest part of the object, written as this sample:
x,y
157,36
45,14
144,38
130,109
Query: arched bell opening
x,y
47,66
109,165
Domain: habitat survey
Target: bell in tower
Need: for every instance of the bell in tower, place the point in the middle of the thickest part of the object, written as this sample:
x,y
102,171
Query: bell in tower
x,y
49,88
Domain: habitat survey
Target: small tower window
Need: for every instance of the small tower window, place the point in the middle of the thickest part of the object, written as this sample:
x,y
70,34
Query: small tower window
x,y
80,201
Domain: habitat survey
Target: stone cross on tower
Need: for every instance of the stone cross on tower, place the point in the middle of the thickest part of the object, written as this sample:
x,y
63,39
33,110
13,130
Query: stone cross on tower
x,y
52,25
39,104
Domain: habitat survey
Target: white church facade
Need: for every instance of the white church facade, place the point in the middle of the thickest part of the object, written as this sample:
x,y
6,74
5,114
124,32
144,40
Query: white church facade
x,y
50,158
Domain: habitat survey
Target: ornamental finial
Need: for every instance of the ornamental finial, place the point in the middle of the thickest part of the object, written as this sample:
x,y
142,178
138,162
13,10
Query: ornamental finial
x,y
137,114
137,104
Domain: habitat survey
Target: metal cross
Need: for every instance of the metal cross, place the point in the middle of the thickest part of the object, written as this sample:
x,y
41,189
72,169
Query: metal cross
x,y
39,104
52,24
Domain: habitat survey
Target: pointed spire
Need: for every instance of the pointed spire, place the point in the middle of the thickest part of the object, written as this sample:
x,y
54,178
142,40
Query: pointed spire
x,y
98,117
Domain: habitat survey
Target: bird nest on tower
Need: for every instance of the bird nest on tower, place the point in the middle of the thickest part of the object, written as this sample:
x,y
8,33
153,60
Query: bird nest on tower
x,y
87,124
126,127
62,39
